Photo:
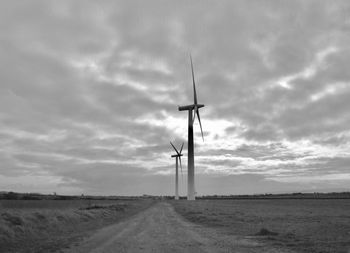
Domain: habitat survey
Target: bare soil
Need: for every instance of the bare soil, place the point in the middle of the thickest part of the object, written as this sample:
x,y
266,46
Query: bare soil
x,y
161,229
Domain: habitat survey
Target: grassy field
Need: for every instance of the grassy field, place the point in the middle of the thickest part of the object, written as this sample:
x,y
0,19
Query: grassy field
x,y
307,226
50,225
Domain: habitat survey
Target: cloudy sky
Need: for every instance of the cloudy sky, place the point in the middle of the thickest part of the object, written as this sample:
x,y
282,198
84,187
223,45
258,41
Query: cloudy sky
x,y
89,93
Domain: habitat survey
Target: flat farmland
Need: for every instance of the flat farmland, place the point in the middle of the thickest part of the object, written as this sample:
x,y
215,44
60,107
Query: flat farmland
x,y
52,225
301,225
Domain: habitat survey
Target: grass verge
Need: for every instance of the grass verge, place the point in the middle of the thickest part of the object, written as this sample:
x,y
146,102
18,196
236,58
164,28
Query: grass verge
x,y
51,230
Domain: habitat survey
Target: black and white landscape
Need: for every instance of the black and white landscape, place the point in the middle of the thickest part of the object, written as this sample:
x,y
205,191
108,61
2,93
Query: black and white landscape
x,y
90,93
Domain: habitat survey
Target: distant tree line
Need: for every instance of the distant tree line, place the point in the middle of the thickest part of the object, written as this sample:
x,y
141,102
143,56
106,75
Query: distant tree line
x,y
37,196
295,195
33,196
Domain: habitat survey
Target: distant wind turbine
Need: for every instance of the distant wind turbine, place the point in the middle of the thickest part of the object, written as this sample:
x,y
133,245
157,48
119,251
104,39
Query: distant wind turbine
x,y
193,108
178,158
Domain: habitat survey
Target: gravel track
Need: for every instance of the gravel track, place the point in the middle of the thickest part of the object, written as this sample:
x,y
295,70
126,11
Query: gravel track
x,y
161,229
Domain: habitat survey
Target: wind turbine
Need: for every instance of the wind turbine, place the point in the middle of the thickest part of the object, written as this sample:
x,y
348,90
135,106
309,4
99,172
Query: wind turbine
x,y
192,109
178,158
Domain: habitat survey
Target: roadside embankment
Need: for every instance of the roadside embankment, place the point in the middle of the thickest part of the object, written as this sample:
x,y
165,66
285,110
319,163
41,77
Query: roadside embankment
x,y
51,226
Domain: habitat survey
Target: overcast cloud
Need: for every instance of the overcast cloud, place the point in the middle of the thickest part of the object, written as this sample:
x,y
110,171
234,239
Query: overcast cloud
x,y
89,93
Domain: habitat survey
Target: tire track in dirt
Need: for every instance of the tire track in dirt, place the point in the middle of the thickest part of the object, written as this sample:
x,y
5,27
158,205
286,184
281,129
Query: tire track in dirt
x,y
161,229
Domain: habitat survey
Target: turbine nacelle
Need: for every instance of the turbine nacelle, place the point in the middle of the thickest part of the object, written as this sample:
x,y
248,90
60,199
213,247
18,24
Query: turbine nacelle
x,y
190,107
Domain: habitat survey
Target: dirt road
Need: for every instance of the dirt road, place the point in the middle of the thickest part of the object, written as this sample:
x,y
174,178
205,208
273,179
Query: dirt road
x,y
161,229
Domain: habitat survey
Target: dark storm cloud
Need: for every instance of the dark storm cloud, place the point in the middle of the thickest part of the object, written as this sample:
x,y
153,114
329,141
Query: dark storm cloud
x,y
89,93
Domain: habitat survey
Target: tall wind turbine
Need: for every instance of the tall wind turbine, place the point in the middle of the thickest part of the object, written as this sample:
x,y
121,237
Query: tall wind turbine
x,y
192,109
178,158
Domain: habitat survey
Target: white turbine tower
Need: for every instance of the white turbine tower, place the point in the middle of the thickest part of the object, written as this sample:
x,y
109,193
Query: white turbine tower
x,y
190,108
178,158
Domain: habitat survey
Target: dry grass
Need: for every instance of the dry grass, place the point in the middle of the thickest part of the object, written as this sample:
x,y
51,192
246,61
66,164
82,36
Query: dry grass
x,y
50,225
308,226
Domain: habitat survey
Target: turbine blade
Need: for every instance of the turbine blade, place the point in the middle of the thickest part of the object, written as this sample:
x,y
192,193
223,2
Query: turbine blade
x,y
174,148
194,84
181,147
182,175
200,124
194,115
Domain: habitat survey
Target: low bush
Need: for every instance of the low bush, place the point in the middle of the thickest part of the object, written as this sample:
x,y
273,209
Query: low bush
x,y
264,232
